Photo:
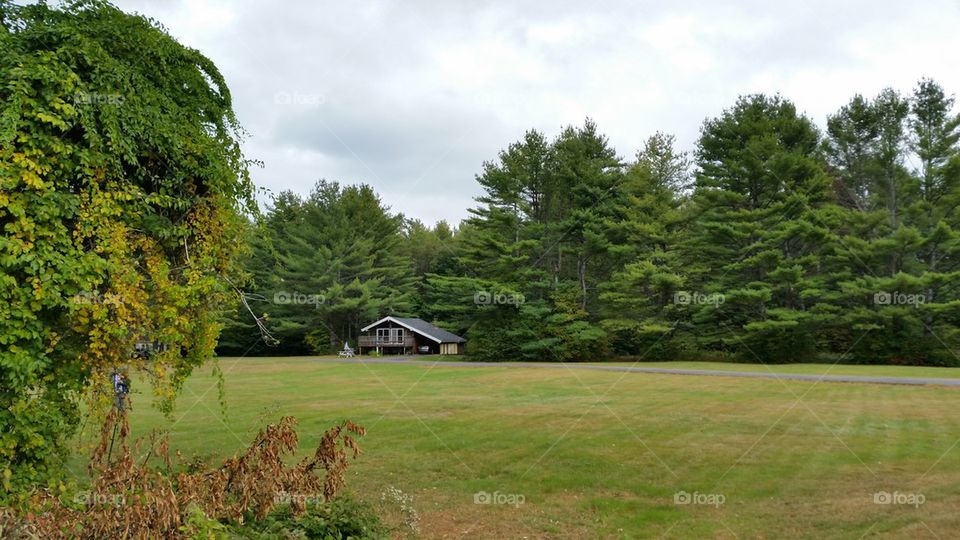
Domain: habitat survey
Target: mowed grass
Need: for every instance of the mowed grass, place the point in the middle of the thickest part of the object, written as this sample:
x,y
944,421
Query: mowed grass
x,y
603,454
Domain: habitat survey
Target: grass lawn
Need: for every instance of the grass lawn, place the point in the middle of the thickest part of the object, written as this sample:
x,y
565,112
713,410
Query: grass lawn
x,y
604,454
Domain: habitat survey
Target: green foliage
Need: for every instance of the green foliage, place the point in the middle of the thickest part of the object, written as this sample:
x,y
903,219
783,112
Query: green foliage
x,y
341,518
637,306
778,251
757,236
197,526
897,240
321,268
121,183
537,248
776,248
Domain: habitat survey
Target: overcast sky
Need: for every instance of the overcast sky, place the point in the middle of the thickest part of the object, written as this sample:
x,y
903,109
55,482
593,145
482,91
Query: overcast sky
x,y
411,97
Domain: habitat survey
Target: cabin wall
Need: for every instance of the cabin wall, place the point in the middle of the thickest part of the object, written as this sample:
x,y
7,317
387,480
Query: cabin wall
x,y
451,348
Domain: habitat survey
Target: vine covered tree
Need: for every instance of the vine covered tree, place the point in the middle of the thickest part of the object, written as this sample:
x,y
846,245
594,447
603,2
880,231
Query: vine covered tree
x,y
122,194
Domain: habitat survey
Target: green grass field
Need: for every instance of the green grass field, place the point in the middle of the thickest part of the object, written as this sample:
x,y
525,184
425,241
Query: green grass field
x,y
605,454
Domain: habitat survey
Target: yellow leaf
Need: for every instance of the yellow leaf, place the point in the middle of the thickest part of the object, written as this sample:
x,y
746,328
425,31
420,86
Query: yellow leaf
x,y
31,179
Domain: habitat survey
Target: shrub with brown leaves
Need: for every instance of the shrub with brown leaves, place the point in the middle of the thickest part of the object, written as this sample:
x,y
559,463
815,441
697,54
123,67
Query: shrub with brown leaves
x,y
128,499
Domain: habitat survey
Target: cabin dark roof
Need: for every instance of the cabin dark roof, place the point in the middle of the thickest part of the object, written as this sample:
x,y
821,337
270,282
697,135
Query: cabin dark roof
x,y
421,326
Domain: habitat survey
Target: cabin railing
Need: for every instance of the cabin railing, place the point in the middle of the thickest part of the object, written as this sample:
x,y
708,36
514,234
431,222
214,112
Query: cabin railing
x,y
374,341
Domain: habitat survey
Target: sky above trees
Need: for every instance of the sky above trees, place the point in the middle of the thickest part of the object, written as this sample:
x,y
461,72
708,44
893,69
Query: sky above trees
x,y
412,97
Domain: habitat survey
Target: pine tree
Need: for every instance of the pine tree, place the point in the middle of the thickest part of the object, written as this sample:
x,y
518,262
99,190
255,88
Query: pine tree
x,y
935,134
638,307
755,236
540,234
883,273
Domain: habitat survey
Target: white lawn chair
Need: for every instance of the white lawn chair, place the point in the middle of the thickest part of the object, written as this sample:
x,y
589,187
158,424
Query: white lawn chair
x,y
347,352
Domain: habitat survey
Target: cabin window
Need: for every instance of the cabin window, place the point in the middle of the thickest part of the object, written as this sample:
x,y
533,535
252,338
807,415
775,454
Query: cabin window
x,y
390,335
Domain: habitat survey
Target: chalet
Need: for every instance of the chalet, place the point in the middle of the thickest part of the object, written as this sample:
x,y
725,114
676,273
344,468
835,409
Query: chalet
x,y
408,336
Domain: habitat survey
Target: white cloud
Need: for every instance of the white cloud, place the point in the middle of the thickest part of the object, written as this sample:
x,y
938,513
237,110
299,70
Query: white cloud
x,y
415,95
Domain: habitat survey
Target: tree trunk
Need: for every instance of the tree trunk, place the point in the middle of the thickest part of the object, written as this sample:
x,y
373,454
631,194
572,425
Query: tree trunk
x,y
929,298
582,273
559,266
894,221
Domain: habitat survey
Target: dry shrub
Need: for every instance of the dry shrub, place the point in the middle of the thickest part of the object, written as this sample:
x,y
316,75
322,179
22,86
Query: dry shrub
x,y
130,500
13,526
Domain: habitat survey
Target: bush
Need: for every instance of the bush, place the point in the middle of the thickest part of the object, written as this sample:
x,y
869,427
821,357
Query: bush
x,y
340,518
127,498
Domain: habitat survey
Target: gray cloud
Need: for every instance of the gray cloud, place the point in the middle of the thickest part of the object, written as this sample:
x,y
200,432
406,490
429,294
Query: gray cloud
x,y
412,97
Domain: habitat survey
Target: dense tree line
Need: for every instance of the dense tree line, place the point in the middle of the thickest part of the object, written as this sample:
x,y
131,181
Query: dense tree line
x,y
772,242
321,267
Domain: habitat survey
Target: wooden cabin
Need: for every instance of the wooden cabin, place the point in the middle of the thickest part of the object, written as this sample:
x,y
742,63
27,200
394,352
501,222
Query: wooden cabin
x,y
400,335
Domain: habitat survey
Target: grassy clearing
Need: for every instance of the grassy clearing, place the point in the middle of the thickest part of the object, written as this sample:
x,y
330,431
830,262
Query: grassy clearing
x,y
601,454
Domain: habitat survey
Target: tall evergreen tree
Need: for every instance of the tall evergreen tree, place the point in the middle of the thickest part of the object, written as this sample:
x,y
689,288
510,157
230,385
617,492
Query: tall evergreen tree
x,y
540,234
755,237
638,309
935,134
887,250
851,152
